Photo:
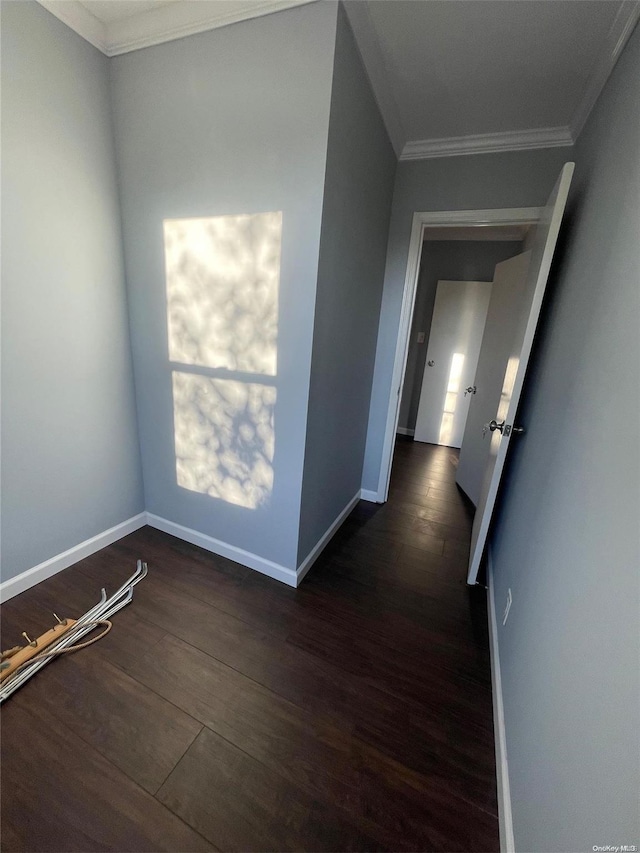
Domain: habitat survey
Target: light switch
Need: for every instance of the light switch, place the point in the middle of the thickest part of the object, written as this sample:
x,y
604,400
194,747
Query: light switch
x,y
420,337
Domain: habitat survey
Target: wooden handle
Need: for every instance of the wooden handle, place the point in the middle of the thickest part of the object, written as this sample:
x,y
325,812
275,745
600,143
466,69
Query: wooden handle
x,y
30,651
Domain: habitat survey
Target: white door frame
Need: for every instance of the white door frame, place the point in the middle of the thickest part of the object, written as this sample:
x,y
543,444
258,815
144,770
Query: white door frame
x,y
429,219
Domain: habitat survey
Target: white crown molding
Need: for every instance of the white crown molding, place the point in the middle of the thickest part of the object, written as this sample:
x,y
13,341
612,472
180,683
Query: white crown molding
x,y
375,66
488,143
178,20
623,25
480,218
78,18
617,37
166,23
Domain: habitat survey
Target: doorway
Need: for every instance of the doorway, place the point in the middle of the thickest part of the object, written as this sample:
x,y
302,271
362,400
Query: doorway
x,y
539,245
426,224
510,225
455,336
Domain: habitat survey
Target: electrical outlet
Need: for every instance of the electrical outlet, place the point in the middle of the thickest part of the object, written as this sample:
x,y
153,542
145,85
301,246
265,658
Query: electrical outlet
x,y
508,607
420,337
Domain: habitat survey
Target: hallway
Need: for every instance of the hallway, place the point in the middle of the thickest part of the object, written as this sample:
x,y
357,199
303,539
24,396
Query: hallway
x,y
227,711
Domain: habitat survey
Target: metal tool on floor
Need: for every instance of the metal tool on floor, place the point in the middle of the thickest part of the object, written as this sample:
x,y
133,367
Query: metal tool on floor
x,y
19,664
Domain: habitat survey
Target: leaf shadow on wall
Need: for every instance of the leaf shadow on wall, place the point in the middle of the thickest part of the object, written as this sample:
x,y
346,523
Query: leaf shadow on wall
x,y
222,282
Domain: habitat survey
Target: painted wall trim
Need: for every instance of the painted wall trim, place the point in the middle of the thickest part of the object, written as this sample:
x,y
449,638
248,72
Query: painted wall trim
x,y
623,25
224,549
405,431
421,220
315,552
170,21
487,216
369,495
505,816
561,136
29,578
177,20
488,143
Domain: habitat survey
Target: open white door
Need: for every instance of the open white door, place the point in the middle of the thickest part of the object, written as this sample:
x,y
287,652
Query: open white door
x,y
502,427
507,291
459,315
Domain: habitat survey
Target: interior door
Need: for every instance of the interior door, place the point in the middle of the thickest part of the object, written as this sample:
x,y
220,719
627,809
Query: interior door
x,y
501,428
459,315
507,293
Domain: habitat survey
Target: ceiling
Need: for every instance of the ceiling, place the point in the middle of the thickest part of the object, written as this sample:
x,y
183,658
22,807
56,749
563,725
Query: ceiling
x,y
451,76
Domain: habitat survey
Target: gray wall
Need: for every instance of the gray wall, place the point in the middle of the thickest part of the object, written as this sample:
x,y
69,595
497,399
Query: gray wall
x,y
70,461
228,122
513,179
355,222
567,540
449,260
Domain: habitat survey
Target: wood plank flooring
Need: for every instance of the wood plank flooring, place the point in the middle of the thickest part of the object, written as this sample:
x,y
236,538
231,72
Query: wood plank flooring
x,y
226,711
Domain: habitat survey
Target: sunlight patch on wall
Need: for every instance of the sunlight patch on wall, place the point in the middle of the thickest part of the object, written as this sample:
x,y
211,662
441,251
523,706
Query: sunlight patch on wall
x,y
224,438
451,398
222,276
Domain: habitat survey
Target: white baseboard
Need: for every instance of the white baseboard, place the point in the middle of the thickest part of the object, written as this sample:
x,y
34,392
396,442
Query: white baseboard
x,y
405,431
29,578
368,495
507,840
315,552
32,576
224,549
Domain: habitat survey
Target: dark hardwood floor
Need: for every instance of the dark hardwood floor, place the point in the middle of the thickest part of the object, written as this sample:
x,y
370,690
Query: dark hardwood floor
x,y
226,711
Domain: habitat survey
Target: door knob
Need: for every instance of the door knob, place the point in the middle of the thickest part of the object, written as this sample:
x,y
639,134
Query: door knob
x,y
431,362
504,428
470,390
